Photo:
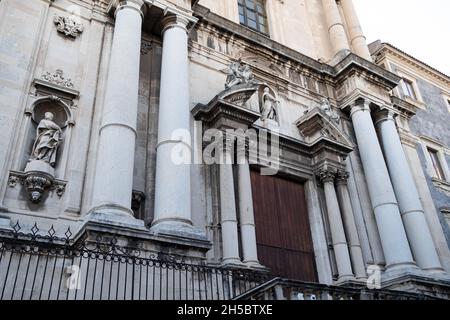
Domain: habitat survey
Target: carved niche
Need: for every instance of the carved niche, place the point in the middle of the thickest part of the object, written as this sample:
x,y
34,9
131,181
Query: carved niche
x,y
48,121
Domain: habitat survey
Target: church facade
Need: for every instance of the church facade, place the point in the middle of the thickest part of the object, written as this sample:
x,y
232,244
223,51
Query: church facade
x,y
215,149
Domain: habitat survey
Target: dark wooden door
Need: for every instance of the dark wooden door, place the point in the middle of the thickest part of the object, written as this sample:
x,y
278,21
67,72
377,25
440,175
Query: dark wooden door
x,y
283,233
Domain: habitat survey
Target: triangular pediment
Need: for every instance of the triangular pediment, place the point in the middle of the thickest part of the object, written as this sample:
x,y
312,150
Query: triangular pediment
x,y
317,124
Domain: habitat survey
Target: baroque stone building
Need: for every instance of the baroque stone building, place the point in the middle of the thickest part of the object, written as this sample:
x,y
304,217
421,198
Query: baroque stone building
x,y
230,142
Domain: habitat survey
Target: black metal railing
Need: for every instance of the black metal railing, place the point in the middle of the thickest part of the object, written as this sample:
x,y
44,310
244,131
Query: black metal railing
x,y
285,289
37,266
34,266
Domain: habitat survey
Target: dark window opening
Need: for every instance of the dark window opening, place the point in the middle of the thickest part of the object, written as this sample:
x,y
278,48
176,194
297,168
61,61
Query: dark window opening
x,y
252,14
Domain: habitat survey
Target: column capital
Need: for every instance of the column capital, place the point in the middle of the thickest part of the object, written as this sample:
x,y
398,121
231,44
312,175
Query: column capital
x,y
342,176
384,114
361,105
326,175
174,19
138,5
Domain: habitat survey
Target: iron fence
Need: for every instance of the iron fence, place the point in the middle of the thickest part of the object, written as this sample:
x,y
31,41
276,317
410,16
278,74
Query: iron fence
x,y
36,266
47,267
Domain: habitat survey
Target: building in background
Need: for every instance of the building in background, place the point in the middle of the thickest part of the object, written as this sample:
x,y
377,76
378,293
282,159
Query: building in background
x,y
215,149
426,91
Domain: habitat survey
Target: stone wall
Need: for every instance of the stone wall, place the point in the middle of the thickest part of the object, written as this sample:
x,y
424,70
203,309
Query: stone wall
x,y
431,121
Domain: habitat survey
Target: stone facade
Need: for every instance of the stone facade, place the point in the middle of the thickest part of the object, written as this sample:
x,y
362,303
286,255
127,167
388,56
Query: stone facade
x,y
429,126
135,85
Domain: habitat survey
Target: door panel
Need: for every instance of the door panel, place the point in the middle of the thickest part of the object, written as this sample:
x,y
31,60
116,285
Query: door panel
x,y
283,232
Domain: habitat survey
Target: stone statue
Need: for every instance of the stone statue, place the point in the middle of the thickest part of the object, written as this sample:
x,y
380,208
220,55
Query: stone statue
x,y
48,138
238,74
326,108
269,102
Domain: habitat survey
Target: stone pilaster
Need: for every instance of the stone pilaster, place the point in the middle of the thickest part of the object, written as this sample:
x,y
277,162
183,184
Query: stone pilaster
x,y
350,224
411,209
390,227
327,177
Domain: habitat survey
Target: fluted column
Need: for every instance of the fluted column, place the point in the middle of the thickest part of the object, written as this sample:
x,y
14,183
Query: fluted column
x,y
335,26
393,237
246,215
173,157
228,217
115,161
411,209
357,38
339,240
350,225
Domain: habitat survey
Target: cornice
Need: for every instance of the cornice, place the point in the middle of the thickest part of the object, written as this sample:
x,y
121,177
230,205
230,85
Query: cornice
x,y
387,50
350,63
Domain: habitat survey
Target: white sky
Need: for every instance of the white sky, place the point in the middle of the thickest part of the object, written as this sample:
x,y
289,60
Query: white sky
x,y
418,27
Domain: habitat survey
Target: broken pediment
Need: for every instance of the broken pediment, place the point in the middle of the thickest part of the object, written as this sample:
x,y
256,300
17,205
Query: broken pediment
x,y
322,122
244,100
231,106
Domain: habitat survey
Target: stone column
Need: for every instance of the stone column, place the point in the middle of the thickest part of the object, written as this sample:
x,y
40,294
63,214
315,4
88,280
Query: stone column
x,y
411,209
246,215
173,158
350,225
228,217
340,247
115,161
335,26
357,38
390,227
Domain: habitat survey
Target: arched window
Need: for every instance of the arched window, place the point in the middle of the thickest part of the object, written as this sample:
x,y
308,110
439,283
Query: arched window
x,y
253,15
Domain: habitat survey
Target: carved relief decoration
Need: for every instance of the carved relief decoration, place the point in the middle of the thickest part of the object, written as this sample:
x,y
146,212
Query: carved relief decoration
x,y
146,47
238,74
57,78
36,184
68,25
326,175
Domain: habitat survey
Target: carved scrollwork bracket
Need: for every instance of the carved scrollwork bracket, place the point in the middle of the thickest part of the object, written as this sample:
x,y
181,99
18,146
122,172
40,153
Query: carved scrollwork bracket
x,y
36,184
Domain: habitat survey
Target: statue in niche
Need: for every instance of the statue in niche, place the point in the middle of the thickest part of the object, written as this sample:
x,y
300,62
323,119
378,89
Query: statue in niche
x,y
269,102
238,74
325,106
48,138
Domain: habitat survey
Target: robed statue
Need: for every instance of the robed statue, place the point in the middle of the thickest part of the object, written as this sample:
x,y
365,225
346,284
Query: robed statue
x,y
48,138
269,102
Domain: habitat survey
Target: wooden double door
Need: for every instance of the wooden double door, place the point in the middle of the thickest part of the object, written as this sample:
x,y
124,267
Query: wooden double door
x,y
283,233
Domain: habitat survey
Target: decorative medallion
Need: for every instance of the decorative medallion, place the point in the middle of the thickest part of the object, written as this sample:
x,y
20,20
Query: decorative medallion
x,y
68,25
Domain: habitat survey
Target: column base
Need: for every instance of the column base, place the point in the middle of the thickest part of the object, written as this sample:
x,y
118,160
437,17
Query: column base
x,y
232,263
345,278
253,264
117,216
177,229
5,223
401,267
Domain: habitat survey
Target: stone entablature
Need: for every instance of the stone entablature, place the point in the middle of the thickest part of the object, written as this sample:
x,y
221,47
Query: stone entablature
x,y
291,70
